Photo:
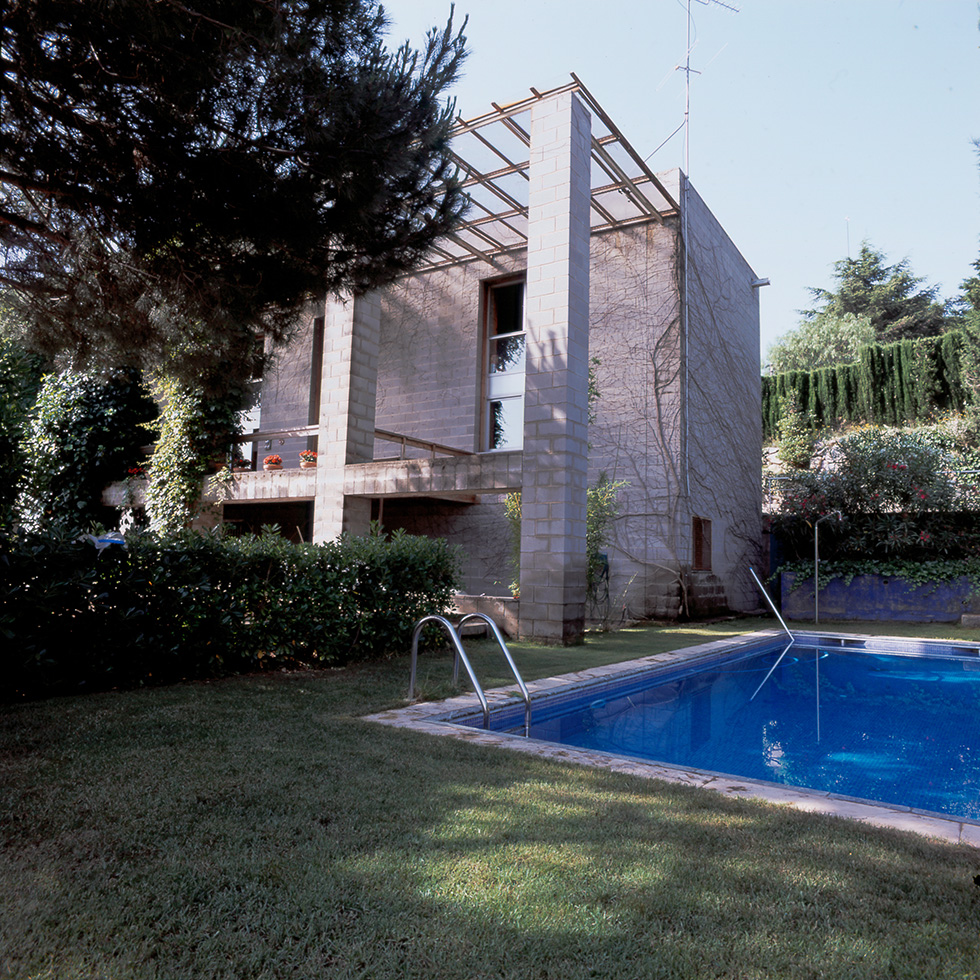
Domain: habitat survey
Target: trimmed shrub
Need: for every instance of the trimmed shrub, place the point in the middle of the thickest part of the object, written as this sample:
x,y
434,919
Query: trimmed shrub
x,y
796,435
187,605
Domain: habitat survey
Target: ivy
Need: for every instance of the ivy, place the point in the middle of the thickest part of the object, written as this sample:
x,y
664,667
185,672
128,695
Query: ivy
x,y
194,432
85,431
601,510
512,512
916,573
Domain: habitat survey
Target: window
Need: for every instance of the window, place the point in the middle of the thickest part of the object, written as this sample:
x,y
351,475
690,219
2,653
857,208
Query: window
x,y
504,360
702,545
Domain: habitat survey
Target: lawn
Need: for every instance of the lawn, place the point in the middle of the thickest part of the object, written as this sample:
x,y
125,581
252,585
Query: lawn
x,y
255,827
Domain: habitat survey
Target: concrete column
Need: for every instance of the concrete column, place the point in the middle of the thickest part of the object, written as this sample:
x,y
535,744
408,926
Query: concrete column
x,y
348,395
555,464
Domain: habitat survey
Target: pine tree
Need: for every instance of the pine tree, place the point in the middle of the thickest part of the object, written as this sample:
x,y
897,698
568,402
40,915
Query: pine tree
x,y
178,177
889,295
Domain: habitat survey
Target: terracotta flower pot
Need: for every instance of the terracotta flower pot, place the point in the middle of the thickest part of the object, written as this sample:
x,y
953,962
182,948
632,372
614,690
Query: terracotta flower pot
x,y
272,466
307,464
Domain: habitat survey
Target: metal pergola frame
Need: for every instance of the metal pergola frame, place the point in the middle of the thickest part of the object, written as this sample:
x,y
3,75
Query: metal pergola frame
x,y
624,190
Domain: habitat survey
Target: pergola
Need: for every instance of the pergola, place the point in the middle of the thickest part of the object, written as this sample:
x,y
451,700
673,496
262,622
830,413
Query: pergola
x,y
491,152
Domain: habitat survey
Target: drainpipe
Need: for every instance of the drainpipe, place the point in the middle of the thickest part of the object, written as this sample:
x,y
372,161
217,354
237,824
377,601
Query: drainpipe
x,y
685,328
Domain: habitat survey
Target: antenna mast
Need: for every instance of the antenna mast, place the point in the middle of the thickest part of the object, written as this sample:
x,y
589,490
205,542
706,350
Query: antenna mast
x,y
685,185
687,69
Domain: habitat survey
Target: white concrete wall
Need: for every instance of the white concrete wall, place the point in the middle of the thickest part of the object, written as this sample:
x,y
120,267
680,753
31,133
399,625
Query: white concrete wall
x,y
347,412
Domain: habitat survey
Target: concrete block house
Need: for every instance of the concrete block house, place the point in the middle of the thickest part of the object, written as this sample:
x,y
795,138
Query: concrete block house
x,y
432,399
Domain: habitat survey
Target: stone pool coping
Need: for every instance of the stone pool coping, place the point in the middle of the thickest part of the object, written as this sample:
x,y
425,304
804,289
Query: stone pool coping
x,y
435,717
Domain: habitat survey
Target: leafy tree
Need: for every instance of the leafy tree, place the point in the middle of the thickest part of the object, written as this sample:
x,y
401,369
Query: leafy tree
x,y
889,295
970,324
824,341
166,164
20,380
969,308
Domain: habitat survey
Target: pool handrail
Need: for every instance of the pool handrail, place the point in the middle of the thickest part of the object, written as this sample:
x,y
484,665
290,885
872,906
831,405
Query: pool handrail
x,y
483,617
772,605
779,660
460,655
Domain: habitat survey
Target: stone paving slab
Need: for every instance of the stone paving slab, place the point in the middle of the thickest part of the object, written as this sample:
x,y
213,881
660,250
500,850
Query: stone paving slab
x,y
435,718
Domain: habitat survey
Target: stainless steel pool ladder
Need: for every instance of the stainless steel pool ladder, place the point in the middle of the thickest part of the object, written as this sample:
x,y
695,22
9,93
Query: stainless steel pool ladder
x,y
792,639
460,655
772,605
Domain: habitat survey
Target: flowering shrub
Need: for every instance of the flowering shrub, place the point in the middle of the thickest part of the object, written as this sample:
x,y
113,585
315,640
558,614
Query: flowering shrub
x,y
896,493
307,456
274,460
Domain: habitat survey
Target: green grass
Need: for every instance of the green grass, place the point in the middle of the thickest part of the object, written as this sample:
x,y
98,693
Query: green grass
x,y
256,827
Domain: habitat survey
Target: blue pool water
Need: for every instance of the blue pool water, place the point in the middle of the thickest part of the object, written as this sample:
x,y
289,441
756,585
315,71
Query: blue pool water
x,y
900,727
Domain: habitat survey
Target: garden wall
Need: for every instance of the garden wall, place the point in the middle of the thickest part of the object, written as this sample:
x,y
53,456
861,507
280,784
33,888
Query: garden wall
x,y
878,598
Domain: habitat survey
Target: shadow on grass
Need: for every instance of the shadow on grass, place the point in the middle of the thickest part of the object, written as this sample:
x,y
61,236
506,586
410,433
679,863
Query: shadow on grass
x,y
256,827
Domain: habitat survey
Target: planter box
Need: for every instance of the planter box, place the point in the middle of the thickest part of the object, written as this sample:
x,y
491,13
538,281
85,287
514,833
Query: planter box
x,y
877,598
504,612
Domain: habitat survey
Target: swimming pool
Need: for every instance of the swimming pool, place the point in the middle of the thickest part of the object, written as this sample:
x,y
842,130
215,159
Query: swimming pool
x,y
894,723
460,717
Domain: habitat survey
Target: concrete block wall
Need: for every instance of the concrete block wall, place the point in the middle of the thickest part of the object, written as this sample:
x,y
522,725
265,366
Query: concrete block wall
x,y
553,560
480,530
286,389
725,421
636,435
430,386
430,369
347,412
624,301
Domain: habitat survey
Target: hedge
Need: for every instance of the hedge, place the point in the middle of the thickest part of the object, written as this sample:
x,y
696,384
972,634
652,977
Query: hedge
x,y
891,384
166,608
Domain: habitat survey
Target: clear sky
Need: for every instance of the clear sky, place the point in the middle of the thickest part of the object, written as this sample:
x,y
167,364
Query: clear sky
x,y
814,125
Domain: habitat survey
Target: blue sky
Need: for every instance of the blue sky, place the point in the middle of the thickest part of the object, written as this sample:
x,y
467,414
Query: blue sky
x,y
813,124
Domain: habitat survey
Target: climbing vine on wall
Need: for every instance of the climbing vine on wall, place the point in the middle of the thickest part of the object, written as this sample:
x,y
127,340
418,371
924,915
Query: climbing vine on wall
x,y
601,511
196,432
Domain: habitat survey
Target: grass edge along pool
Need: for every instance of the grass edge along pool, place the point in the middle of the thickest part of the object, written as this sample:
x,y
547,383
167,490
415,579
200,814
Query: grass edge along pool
x,y
897,725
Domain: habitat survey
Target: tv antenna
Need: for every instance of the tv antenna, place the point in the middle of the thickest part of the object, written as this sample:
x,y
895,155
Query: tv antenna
x,y
687,69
